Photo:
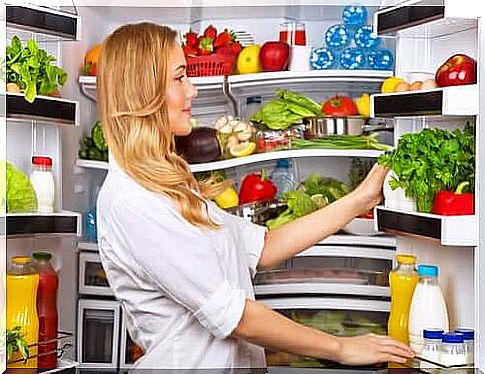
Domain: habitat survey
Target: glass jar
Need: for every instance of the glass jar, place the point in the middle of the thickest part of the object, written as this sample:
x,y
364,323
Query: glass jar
x,y
432,344
452,351
268,140
469,341
294,33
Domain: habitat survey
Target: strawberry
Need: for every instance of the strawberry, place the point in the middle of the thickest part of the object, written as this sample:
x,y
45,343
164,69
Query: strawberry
x,y
225,50
189,50
210,32
235,47
205,46
191,38
223,39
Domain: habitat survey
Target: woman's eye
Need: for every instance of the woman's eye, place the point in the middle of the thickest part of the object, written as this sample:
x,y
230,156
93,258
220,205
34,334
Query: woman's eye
x,y
180,78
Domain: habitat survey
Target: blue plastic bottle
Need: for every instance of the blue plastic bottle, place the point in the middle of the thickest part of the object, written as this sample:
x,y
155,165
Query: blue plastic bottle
x,y
283,177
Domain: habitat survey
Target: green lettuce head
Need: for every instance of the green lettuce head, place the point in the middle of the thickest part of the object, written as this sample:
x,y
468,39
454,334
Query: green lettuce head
x,y
20,194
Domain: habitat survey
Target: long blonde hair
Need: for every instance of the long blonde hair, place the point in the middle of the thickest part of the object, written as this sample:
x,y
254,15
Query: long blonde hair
x,y
133,73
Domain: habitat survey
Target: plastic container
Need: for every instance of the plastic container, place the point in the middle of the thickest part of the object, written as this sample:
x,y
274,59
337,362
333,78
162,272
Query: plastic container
x,y
452,350
428,307
402,280
469,341
47,310
283,177
22,285
268,140
432,344
396,199
211,65
42,180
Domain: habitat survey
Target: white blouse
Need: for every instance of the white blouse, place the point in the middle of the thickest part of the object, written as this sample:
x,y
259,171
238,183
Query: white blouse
x,y
182,289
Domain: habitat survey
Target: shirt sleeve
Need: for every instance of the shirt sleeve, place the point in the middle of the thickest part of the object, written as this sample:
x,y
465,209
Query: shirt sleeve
x,y
251,236
180,259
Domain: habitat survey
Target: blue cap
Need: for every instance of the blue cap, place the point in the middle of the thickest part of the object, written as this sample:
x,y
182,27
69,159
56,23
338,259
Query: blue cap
x,y
427,271
468,334
433,334
283,163
452,337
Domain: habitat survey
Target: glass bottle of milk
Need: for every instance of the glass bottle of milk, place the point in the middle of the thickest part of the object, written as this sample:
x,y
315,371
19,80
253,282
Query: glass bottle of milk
x,y
428,307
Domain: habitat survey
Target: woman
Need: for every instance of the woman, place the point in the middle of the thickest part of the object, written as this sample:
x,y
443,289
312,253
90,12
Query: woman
x,y
181,267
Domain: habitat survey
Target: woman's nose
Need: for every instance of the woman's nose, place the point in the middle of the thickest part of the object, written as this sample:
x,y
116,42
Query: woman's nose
x,y
191,90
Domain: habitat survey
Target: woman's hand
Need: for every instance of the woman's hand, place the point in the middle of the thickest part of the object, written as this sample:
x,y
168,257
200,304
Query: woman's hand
x,y
372,349
370,190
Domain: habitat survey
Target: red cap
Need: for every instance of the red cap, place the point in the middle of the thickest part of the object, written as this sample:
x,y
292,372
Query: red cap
x,y
41,161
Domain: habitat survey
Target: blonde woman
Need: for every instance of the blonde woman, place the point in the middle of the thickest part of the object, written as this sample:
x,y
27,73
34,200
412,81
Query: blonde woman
x,y
181,267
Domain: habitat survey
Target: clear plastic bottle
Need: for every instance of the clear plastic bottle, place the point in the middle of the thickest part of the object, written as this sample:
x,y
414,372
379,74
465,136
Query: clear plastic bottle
x,y
428,307
469,341
283,177
22,285
43,182
452,350
47,310
402,280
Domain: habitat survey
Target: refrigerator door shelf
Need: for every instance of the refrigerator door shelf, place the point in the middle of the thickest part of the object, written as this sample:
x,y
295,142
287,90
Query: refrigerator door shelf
x,y
448,230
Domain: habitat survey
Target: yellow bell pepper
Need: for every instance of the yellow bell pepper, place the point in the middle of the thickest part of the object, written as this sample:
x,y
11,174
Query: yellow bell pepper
x,y
363,105
227,199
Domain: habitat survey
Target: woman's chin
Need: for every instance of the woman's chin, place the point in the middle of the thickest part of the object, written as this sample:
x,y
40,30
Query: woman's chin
x,y
182,131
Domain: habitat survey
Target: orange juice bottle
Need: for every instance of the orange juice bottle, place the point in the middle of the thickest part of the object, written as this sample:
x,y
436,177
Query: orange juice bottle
x,y
22,284
402,280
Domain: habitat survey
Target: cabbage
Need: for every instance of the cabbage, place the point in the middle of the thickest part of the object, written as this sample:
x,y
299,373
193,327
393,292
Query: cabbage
x,y
21,195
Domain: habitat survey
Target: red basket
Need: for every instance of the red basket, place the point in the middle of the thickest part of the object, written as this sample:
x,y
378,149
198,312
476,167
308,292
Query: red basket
x,y
210,65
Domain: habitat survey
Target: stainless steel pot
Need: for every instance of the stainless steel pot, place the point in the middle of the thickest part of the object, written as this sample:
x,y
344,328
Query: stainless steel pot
x,y
316,127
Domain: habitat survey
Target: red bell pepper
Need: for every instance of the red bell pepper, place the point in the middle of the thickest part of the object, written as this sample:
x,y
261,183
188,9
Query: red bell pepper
x,y
256,188
457,70
449,203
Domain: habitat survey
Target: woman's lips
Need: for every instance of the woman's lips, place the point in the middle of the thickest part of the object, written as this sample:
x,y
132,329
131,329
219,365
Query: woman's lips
x,y
188,111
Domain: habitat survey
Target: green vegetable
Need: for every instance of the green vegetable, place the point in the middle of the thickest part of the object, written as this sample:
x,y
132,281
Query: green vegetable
x,y
31,69
20,194
299,204
342,142
430,161
88,142
359,171
98,137
289,108
329,188
301,100
16,341
83,153
95,154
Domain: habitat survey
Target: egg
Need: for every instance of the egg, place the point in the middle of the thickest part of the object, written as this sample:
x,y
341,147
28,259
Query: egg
x,y
415,86
428,84
401,87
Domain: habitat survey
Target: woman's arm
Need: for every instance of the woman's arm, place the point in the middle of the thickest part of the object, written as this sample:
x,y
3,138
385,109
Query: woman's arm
x,y
262,326
288,240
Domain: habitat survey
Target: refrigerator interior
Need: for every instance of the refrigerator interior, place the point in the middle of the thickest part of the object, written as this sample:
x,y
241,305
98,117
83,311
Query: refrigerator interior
x,y
459,266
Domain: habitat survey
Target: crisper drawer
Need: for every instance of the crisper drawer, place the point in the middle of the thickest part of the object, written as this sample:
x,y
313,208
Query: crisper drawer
x,y
336,316
330,270
92,277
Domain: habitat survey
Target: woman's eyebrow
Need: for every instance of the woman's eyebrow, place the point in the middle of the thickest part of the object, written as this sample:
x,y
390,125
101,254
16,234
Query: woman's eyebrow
x,y
180,67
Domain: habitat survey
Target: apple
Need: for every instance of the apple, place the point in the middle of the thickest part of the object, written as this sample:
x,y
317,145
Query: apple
x,y
248,60
274,56
457,70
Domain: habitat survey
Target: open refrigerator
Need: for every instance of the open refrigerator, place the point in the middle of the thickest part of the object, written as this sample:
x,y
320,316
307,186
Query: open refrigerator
x,y
339,285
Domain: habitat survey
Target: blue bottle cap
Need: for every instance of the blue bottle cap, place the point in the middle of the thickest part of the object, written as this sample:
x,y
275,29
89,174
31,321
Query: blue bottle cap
x,y
283,163
452,337
468,334
433,334
427,271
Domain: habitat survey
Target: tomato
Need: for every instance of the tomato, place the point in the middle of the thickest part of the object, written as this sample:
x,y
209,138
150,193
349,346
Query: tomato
x,y
369,214
341,106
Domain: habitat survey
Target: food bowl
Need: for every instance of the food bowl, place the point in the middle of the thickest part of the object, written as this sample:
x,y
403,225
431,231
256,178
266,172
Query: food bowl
x,y
361,226
316,127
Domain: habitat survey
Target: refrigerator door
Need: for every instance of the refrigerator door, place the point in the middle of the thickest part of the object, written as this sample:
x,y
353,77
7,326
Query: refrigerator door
x,y
99,323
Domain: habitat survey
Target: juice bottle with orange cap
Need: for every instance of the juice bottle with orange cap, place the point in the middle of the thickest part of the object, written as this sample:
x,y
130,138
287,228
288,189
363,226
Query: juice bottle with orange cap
x,y
402,280
22,284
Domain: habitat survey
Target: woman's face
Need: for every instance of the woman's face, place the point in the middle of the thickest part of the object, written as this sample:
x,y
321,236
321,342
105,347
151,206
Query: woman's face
x,y
180,93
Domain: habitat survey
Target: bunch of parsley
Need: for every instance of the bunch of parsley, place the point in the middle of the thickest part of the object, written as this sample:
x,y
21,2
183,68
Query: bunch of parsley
x,y
430,161
31,69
